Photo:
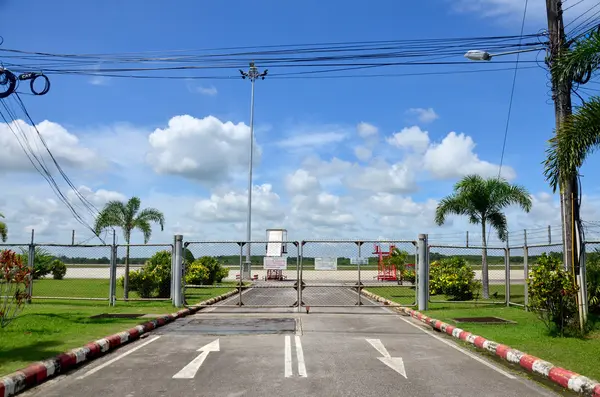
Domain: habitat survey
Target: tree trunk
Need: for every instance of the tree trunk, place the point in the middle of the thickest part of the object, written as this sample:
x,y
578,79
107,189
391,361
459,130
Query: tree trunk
x,y
126,279
484,264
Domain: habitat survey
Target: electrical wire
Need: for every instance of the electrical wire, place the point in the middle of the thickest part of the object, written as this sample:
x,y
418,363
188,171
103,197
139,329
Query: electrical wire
x,y
38,161
510,103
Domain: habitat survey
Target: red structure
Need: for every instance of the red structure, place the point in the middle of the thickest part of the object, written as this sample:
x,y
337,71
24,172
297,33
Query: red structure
x,y
385,272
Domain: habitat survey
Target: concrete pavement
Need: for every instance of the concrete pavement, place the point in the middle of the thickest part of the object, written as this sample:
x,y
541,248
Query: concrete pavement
x,y
332,352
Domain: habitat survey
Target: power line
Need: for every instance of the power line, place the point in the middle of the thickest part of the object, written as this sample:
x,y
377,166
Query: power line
x,y
510,103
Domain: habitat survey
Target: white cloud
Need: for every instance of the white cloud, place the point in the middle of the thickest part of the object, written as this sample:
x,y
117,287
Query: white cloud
x,y
301,182
454,157
65,147
300,140
424,115
362,153
232,206
366,130
208,91
207,150
410,138
382,177
320,196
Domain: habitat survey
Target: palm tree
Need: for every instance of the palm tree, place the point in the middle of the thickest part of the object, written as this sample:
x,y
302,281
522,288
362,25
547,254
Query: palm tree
x,y
128,217
483,200
3,230
579,134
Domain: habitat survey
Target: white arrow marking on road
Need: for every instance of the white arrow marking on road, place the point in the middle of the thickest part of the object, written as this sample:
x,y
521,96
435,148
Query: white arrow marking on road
x,y
395,363
190,370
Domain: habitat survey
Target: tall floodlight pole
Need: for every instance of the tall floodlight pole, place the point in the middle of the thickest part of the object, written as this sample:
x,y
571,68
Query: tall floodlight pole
x,y
252,74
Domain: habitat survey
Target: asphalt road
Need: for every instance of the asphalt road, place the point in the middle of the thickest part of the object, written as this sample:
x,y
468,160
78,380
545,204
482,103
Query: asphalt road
x,y
329,352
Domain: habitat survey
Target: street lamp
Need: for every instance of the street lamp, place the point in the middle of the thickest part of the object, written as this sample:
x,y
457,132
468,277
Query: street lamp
x,y
252,74
478,55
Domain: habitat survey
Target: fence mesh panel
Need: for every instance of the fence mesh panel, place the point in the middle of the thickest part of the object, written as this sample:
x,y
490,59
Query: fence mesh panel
x,y
383,276
273,283
228,255
518,278
473,258
87,274
334,272
138,256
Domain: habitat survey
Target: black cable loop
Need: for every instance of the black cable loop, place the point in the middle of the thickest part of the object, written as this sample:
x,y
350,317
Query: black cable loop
x,y
32,77
7,78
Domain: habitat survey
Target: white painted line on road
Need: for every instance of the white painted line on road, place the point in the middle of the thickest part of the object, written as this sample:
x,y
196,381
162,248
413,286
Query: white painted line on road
x,y
395,363
300,357
376,343
288,357
190,370
454,346
109,362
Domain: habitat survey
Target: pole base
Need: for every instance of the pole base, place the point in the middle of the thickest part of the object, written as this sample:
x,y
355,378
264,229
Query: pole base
x,y
246,270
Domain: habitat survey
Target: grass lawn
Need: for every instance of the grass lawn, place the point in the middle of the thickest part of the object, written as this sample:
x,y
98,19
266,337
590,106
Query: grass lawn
x,y
529,334
406,296
46,328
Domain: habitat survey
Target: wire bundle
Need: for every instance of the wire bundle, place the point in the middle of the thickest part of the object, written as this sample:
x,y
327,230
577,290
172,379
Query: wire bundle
x,y
288,60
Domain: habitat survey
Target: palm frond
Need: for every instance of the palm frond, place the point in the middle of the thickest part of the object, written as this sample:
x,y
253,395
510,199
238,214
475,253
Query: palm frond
x,y
132,207
145,228
151,215
3,231
576,138
584,58
504,194
498,221
112,215
455,204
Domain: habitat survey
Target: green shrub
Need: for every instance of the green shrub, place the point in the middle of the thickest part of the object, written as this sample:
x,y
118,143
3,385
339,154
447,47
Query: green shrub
x,y
409,275
42,261
59,269
144,283
553,295
397,258
216,272
592,266
153,280
453,277
196,273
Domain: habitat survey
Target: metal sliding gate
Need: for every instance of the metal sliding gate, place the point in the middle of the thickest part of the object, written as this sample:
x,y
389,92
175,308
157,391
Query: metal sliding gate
x,y
338,273
307,274
274,280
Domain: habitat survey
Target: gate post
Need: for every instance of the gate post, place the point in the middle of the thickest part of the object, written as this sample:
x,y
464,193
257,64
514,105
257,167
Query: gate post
x,y
177,301
423,263
31,265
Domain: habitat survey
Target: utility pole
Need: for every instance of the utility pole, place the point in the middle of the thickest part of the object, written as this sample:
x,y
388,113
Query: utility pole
x,y
561,92
252,74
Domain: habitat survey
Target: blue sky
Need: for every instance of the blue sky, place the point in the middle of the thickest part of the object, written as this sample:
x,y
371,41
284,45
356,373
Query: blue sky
x,y
308,176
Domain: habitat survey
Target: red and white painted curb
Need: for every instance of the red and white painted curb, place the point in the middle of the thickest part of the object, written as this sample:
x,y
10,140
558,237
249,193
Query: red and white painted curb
x,y
560,376
40,372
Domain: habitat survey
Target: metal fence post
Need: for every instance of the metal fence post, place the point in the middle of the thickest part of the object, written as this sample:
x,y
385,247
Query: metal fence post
x,y
112,289
173,268
507,274
526,275
177,301
242,264
423,264
31,265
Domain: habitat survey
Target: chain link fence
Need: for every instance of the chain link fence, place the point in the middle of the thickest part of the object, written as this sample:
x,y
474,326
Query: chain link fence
x,y
518,276
132,258
85,274
334,273
274,281
447,284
